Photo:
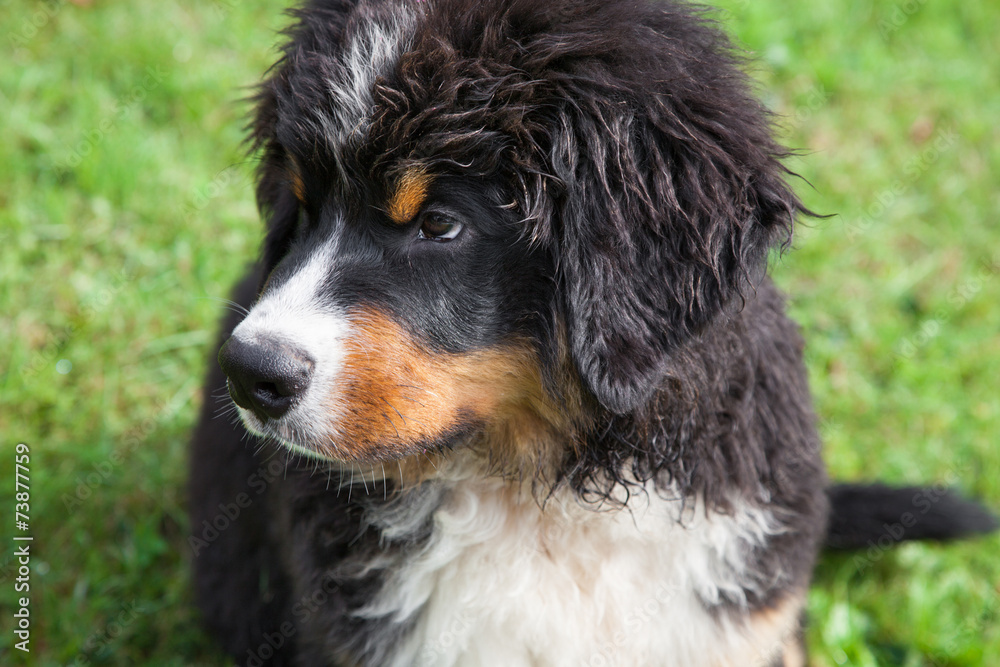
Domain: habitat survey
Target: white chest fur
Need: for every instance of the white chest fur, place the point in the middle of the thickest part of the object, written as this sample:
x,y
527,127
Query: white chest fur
x,y
506,582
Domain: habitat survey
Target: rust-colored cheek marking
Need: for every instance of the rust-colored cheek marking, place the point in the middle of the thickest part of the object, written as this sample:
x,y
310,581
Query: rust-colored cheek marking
x,y
394,395
409,196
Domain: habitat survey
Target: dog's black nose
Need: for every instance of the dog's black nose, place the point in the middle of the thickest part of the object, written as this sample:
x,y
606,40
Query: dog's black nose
x,y
265,376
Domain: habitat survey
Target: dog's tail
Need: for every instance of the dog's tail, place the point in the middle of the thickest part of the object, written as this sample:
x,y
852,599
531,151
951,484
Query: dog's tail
x,y
865,514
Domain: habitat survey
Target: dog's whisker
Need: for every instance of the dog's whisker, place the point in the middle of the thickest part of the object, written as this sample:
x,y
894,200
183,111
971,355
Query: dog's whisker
x,y
364,482
391,424
433,465
386,401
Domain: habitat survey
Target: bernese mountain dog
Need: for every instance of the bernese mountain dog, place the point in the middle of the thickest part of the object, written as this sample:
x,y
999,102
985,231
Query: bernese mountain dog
x,y
520,390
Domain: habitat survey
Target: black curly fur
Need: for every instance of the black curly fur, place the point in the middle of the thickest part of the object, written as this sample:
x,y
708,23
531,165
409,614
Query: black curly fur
x,y
634,191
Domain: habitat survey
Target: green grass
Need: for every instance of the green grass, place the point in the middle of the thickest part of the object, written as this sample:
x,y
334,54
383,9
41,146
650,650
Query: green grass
x,y
126,213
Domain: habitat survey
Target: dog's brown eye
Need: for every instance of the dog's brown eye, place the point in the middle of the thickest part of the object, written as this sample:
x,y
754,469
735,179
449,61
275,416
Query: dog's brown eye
x,y
438,228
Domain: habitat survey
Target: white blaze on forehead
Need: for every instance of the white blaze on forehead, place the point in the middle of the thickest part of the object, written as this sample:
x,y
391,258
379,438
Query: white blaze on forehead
x,y
290,310
370,53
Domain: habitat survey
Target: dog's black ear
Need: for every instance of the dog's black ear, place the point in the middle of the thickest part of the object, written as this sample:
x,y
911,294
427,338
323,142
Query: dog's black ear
x,y
276,177
673,193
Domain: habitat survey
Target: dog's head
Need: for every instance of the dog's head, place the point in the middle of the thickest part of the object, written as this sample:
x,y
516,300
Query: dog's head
x,y
490,218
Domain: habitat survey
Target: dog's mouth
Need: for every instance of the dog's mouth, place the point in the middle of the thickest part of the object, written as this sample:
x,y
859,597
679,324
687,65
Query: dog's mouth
x,y
324,441
272,431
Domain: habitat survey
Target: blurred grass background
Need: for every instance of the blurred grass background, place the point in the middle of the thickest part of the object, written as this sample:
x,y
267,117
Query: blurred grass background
x,y
126,214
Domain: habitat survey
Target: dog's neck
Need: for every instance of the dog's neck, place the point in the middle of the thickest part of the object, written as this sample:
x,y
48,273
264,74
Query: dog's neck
x,y
496,565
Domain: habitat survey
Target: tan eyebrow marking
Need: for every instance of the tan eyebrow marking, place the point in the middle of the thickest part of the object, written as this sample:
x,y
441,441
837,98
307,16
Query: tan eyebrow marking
x,y
298,187
411,191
